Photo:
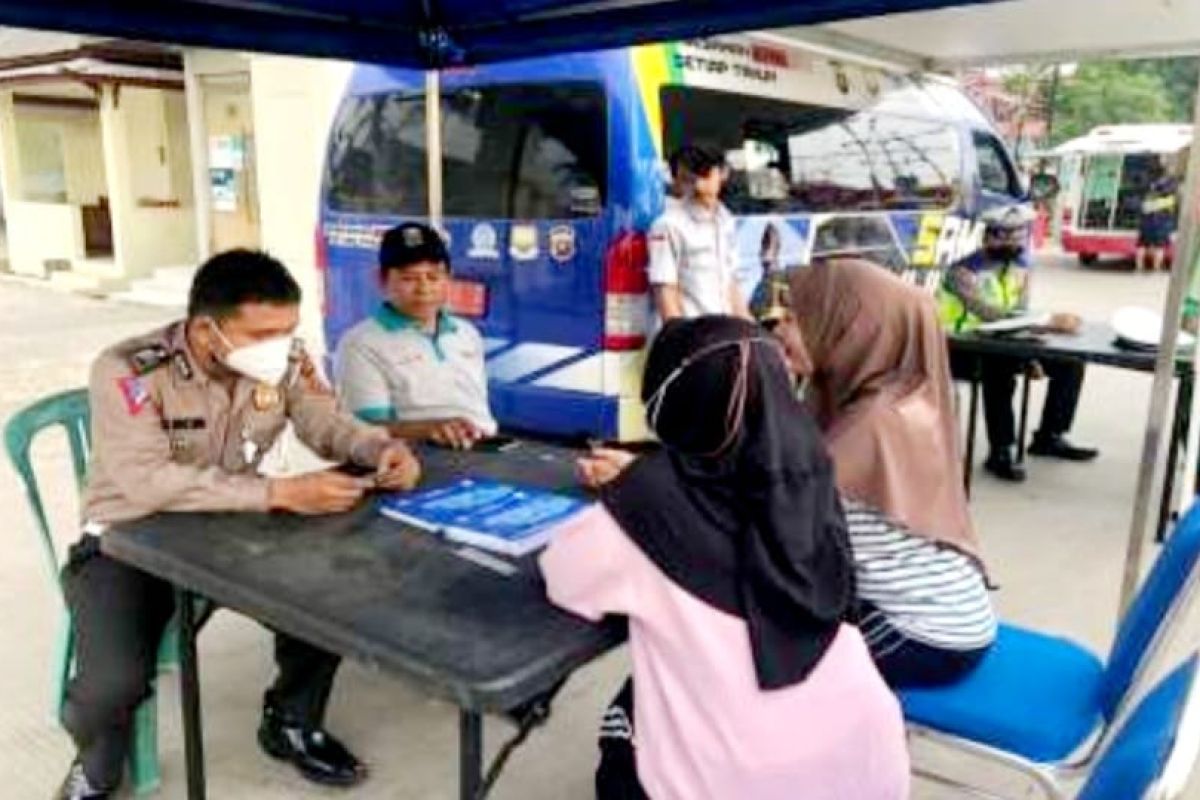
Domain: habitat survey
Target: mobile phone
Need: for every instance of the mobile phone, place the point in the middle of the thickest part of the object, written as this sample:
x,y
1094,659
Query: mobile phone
x,y
495,444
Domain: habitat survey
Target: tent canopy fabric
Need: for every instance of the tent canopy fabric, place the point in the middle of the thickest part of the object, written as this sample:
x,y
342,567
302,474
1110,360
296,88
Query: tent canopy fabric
x,y
1021,31
432,33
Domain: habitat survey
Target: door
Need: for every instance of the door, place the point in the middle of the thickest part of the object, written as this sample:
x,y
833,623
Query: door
x,y
232,181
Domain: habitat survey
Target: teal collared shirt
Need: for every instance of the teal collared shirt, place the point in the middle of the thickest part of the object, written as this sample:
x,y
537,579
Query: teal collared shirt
x,y
390,369
392,319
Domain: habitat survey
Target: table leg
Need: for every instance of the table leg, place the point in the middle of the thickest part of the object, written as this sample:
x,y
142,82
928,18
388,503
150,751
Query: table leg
x,y
470,754
1022,430
189,692
1179,427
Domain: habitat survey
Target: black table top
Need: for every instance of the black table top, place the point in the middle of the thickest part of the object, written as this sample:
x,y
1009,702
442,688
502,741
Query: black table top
x,y
369,588
1094,343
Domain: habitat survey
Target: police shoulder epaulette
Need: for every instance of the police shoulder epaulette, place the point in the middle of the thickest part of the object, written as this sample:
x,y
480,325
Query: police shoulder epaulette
x,y
148,358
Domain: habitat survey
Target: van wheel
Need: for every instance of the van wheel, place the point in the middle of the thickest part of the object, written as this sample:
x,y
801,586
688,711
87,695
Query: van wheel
x,y
1087,259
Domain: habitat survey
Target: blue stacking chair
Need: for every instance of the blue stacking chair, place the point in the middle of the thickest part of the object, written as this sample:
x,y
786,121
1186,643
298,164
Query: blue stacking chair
x,y
1155,748
1043,704
70,411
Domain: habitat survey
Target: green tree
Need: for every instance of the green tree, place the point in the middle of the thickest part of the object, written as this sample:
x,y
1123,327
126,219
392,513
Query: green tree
x,y
1108,93
1179,76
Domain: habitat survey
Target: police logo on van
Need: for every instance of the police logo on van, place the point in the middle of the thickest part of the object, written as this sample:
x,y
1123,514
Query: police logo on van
x,y
523,242
562,243
484,242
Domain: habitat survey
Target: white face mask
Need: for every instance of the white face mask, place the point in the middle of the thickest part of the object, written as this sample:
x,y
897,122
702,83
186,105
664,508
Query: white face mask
x,y
265,361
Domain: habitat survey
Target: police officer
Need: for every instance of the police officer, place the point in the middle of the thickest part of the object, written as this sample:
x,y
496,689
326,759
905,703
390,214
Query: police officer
x,y
693,253
990,285
181,419
1157,220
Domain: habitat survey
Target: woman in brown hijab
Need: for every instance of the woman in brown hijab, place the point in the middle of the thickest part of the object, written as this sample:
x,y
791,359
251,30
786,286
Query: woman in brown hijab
x,y
879,386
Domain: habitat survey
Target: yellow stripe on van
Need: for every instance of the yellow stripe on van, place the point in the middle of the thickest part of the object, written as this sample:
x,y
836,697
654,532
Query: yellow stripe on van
x,y
652,69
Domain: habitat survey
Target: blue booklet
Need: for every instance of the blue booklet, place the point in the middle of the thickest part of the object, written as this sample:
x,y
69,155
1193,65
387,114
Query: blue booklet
x,y
501,517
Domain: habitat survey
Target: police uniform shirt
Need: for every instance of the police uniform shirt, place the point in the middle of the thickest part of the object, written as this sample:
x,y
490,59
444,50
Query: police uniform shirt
x,y
694,248
390,370
166,437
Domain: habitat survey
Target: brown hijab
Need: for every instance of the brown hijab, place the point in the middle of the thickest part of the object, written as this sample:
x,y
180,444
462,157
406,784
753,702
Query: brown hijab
x,y
880,391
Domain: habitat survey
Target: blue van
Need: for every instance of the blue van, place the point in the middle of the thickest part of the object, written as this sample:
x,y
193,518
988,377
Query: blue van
x,y
553,170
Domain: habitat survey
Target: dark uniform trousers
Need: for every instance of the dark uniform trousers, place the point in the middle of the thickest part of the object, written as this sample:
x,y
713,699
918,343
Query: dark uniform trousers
x,y
120,614
998,374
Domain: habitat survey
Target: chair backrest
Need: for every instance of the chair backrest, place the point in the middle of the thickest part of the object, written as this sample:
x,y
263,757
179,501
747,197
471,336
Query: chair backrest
x,y
1152,754
1150,615
71,411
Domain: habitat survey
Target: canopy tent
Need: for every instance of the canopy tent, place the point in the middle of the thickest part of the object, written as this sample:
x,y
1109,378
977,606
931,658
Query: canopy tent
x,y
432,33
1021,31
919,34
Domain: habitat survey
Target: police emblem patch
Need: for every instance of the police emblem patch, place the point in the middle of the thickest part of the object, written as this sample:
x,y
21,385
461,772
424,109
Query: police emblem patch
x,y
562,243
523,242
413,237
484,242
135,392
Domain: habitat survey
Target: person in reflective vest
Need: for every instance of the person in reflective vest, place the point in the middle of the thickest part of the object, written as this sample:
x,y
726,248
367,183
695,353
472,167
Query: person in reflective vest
x,y
990,285
1157,222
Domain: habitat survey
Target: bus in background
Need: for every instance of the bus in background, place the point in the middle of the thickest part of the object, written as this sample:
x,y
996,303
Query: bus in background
x,y
1105,176
553,169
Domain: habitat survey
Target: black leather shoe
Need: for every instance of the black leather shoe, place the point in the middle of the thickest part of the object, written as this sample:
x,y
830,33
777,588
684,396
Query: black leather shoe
x,y
77,787
1002,464
318,756
1059,447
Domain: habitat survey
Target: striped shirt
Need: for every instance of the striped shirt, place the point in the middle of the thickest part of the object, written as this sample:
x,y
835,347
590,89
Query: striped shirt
x,y
921,590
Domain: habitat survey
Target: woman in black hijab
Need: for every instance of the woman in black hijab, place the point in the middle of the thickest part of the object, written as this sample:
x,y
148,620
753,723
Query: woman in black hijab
x,y
728,545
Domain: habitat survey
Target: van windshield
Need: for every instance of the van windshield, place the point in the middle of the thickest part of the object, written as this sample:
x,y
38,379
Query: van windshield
x,y
793,157
512,151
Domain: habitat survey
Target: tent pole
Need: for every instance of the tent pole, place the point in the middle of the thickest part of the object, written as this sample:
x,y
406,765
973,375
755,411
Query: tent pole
x,y
1151,472
433,144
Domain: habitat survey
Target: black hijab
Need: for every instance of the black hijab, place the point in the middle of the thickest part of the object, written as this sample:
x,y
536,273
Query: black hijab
x,y
739,508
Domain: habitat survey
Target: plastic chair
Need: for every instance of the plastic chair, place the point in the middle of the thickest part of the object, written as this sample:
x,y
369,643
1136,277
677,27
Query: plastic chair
x,y
1043,704
1155,749
70,410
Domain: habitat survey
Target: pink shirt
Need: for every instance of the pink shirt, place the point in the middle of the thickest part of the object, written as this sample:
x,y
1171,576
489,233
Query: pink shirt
x,y
702,727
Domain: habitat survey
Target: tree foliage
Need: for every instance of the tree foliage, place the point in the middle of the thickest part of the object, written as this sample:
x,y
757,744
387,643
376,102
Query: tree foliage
x,y
1179,77
1108,93
1105,93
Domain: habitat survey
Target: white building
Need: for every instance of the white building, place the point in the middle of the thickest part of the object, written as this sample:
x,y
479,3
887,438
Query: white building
x,y
95,166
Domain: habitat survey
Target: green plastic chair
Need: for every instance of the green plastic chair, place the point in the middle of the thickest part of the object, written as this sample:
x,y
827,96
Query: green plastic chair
x,y
72,412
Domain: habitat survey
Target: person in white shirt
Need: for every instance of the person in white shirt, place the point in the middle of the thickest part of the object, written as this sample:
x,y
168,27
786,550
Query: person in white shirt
x,y
692,250
411,366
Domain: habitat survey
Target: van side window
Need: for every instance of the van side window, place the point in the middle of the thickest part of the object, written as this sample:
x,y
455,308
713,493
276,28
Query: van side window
x,y
793,157
995,171
520,151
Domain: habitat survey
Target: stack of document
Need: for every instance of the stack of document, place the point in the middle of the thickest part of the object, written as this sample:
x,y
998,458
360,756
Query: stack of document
x,y
500,517
1021,322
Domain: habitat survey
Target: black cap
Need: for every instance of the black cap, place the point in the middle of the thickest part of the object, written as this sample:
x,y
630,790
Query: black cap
x,y
411,243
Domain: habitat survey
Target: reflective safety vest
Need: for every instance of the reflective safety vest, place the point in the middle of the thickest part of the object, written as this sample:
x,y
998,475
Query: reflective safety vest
x,y
1000,288
1159,204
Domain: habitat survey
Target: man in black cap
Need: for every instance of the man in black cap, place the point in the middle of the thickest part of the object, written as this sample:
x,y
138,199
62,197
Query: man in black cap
x,y
412,367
